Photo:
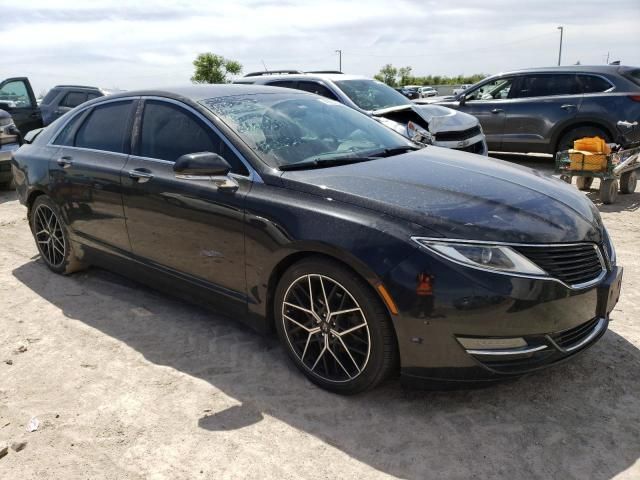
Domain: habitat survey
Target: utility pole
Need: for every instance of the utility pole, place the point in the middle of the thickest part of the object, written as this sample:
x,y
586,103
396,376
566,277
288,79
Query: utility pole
x,y
560,52
339,52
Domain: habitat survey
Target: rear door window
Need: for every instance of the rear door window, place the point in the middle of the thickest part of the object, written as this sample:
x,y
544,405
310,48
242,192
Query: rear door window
x,y
547,85
73,99
67,135
593,84
106,128
50,96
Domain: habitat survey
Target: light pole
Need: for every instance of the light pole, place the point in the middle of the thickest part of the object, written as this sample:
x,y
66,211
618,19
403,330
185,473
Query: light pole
x,y
339,52
560,51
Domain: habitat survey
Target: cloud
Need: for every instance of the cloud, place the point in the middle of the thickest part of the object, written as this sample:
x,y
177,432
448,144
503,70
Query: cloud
x,y
152,43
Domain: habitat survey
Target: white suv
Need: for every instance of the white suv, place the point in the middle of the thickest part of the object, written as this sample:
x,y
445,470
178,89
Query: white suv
x,y
443,127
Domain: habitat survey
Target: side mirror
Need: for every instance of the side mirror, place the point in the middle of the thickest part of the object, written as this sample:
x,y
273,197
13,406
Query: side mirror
x,y
202,164
462,99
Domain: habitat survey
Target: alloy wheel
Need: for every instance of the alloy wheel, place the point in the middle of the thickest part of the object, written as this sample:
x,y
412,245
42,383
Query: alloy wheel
x,y
326,328
49,236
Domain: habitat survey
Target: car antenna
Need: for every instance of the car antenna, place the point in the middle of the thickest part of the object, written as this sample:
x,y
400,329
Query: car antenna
x,y
265,65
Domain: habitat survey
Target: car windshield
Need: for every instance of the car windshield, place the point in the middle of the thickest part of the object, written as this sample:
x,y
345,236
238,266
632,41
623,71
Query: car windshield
x,y
284,129
371,95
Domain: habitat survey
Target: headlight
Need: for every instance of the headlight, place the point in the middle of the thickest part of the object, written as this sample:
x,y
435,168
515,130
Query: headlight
x,y
497,258
418,134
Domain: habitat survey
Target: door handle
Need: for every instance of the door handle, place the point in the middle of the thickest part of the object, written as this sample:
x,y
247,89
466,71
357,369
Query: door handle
x,y
568,106
140,175
35,115
497,110
65,162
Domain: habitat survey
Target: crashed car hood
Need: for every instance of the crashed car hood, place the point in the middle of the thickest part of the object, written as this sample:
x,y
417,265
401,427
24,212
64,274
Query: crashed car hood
x,y
459,195
438,118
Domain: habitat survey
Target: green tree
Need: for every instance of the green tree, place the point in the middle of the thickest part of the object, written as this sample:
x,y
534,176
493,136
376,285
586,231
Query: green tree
x,y
212,68
404,74
387,74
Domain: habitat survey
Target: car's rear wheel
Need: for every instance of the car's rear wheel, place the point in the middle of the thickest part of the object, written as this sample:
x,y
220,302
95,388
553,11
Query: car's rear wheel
x,y
334,327
52,239
566,141
628,182
584,183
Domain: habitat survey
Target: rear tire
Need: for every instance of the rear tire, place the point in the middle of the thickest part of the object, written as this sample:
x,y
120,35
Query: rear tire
x,y
584,183
628,182
566,141
347,352
52,238
608,191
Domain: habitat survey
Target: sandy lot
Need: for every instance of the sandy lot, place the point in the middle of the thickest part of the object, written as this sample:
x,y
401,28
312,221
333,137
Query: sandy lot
x,y
128,384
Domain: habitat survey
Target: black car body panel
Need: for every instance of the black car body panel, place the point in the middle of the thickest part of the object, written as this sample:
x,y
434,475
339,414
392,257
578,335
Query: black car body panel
x,y
524,120
227,248
17,98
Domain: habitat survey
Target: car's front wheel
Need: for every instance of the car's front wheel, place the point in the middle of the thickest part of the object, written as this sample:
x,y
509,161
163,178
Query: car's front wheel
x,y
334,327
50,233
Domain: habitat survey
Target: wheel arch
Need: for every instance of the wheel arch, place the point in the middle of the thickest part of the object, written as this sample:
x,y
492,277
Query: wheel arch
x,y
346,260
31,198
563,130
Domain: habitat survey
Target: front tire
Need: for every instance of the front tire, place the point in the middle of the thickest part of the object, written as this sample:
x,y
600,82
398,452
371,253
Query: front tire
x,y
334,327
52,239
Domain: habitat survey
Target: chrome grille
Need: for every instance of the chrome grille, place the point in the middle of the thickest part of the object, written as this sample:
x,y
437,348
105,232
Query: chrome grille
x,y
460,135
572,336
573,264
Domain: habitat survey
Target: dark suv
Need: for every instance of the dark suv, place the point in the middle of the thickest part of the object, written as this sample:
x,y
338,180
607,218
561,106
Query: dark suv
x,y
545,109
63,98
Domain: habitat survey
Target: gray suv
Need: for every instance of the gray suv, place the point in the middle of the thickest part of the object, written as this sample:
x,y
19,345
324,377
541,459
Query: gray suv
x,y
442,126
545,109
63,98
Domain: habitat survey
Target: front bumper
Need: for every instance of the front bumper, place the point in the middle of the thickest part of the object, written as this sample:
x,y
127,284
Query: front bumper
x,y
555,321
477,145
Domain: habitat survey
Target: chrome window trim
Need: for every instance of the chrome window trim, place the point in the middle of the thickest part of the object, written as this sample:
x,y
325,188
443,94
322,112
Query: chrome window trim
x,y
577,286
253,174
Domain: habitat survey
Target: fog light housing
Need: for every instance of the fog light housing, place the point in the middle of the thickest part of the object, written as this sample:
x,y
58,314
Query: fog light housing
x,y
492,343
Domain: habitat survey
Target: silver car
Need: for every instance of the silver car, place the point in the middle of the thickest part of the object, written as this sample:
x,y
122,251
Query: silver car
x,y
440,126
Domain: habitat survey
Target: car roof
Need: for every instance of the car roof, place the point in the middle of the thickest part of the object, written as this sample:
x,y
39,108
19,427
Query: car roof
x,y
305,76
197,93
569,69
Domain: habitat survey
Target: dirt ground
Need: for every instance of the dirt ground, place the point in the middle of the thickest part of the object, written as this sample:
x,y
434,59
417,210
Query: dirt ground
x,y
127,384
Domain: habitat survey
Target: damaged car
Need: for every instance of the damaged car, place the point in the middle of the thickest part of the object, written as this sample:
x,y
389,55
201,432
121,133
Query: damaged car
x,y
428,124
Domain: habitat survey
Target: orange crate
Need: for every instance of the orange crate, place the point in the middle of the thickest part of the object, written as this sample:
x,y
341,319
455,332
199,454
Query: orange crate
x,y
594,162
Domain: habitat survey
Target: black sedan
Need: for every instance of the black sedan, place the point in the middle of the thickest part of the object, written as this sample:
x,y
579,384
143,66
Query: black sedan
x,y
291,212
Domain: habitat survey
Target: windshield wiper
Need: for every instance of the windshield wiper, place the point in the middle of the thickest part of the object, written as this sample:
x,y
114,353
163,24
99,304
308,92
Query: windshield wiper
x,y
389,152
323,162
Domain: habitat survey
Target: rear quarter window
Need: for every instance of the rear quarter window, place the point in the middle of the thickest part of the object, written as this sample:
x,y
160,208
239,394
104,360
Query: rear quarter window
x,y
632,74
593,84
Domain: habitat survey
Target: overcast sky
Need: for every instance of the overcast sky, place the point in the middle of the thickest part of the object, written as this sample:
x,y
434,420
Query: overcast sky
x,y
146,43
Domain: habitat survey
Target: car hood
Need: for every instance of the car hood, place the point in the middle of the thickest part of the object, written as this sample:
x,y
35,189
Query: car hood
x,y
439,118
459,195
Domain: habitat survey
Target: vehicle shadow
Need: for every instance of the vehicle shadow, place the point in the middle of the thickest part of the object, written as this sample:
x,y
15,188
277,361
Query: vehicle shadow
x,y
579,420
7,195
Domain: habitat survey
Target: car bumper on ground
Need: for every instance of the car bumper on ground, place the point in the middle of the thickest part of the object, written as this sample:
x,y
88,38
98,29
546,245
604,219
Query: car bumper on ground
x,y
473,326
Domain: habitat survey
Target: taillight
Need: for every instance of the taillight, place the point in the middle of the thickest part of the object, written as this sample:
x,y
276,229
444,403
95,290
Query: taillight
x,y
635,98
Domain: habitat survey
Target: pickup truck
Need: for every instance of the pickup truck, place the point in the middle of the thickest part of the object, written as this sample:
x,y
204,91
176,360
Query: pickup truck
x,y
17,99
